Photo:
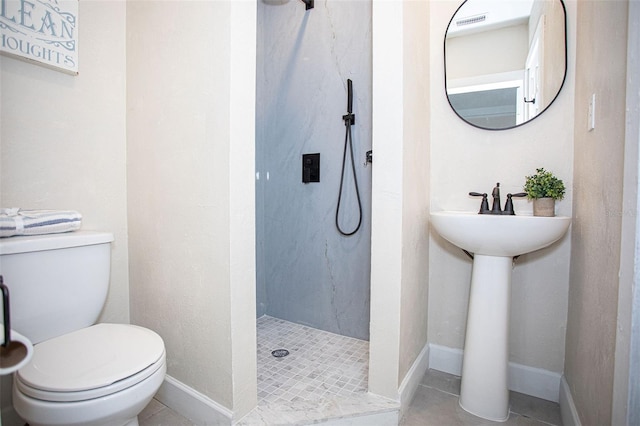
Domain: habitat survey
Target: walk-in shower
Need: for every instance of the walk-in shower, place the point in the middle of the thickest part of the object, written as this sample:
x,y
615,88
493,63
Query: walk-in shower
x,y
311,278
307,271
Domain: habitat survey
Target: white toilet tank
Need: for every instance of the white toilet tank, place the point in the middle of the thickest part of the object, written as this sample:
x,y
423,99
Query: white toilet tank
x,y
57,283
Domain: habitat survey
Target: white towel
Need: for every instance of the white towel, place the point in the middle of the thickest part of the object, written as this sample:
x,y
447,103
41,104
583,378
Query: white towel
x,y
15,221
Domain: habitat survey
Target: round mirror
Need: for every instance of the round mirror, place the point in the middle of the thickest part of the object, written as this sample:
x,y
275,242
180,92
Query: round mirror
x,y
505,60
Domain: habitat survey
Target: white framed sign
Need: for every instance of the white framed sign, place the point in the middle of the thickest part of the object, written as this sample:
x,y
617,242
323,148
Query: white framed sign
x,y
41,31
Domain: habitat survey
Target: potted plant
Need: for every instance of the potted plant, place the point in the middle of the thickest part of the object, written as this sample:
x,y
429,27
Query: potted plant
x,y
544,189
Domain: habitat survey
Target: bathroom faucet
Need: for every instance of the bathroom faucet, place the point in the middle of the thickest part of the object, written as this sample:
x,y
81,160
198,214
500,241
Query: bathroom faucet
x,y
496,209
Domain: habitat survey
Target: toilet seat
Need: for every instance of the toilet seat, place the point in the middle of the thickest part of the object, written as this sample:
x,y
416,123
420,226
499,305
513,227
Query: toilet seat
x,y
92,362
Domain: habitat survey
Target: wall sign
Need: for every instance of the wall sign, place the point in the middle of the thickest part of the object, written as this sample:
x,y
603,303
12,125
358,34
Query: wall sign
x,y
41,31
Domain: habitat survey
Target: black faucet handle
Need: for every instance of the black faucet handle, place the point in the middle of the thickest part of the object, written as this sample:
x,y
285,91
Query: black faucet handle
x,y
508,206
484,205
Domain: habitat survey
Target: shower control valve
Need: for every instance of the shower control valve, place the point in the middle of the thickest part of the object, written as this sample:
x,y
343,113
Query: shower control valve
x,y
310,168
369,158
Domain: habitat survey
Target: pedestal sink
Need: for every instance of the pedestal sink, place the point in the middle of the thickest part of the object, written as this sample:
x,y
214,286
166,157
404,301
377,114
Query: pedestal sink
x,y
494,240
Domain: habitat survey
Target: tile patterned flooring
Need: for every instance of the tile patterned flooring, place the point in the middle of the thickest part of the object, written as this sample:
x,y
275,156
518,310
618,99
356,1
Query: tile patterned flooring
x,y
326,375
319,363
157,414
435,403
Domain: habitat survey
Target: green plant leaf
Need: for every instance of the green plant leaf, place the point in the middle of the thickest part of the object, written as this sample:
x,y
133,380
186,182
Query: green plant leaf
x,y
544,184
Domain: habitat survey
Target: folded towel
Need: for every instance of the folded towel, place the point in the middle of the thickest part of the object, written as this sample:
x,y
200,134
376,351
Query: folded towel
x,y
15,221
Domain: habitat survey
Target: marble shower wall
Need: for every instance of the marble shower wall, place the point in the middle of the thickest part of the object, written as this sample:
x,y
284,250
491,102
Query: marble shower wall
x,y
306,271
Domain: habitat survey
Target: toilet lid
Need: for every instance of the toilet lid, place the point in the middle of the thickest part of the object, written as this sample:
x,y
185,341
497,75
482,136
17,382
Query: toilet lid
x,y
92,357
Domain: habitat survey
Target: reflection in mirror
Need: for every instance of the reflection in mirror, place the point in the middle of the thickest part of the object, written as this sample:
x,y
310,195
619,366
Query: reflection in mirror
x,y
505,60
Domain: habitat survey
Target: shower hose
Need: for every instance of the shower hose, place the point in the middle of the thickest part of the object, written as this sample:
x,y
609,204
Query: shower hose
x,y
349,120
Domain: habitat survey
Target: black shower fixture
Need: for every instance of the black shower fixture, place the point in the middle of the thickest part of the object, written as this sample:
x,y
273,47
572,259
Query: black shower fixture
x,y
308,4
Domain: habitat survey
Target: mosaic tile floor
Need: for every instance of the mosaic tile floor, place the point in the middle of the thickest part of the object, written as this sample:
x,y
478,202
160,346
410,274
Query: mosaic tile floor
x,y
434,404
324,378
319,364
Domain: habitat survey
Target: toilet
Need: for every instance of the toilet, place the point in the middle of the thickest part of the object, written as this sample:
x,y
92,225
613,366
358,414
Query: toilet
x,y
81,373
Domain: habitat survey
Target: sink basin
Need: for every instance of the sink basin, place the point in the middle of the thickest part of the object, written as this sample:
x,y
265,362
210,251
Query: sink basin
x,y
494,235
494,240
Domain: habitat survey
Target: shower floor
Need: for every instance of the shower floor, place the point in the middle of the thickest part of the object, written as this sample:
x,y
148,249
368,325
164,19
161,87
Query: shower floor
x,y
319,363
325,376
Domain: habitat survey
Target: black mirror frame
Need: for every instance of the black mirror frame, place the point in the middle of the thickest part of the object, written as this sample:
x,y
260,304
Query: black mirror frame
x,y
564,77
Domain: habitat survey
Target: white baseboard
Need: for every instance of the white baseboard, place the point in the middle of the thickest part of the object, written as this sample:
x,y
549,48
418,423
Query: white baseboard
x,y
527,380
568,410
536,382
191,404
412,379
443,358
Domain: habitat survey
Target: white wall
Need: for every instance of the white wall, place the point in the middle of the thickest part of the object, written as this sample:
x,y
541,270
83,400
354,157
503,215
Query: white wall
x,y
489,52
386,227
63,142
399,251
191,96
465,159
553,53
64,138
415,182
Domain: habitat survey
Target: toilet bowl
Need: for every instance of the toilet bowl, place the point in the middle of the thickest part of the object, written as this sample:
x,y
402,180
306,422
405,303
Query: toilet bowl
x,y
80,373
100,375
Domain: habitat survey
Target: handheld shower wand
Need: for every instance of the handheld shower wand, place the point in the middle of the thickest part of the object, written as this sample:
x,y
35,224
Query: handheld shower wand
x,y
349,96
349,120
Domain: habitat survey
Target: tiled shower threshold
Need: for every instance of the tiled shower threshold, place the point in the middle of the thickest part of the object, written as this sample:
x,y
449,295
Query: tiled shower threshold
x,y
323,379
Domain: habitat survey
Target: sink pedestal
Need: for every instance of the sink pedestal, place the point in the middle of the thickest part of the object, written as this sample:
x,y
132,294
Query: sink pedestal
x,y
484,389
494,240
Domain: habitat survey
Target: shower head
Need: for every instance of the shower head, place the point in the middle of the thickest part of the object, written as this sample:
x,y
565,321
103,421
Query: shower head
x,y
308,3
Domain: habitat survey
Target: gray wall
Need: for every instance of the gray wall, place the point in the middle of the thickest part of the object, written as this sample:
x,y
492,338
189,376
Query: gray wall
x,y
306,271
